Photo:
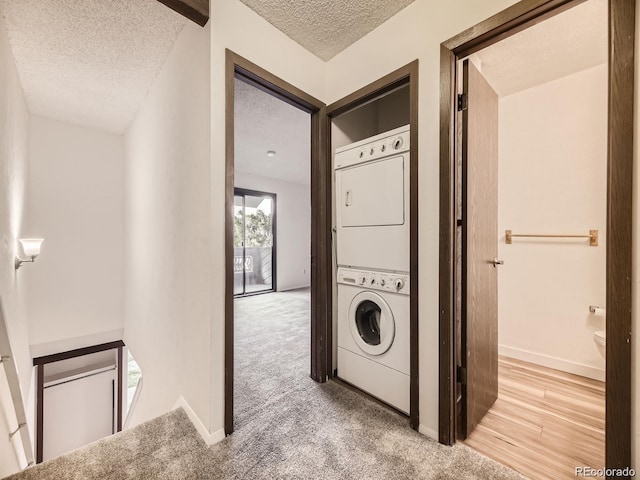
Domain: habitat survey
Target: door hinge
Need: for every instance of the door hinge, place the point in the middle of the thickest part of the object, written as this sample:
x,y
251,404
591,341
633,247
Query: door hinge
x,y
462,102
461,375
459,222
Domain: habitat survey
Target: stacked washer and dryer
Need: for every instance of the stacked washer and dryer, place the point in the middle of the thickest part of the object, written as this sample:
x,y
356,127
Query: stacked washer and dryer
x,y
372,249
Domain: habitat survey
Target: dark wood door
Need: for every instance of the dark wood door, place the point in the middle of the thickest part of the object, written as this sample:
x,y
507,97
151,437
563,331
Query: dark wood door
x,y
479,325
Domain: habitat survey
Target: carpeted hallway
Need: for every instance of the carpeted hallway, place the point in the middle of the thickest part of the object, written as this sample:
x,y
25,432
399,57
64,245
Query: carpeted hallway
x,y
287,426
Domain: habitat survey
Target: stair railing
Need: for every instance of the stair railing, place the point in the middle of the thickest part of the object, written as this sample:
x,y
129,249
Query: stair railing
x,y
7,360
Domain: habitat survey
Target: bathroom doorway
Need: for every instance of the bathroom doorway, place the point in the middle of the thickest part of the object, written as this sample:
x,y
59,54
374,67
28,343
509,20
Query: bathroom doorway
x,y
474,257
533,201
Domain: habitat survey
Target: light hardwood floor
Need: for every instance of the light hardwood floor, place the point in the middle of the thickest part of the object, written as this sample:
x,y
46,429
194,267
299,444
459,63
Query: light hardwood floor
x,y
544,423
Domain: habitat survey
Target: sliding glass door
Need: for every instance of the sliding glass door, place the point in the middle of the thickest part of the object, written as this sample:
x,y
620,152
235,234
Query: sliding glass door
x,y
254,244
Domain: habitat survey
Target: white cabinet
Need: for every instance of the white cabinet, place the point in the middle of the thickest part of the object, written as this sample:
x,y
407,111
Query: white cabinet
x,y
371,194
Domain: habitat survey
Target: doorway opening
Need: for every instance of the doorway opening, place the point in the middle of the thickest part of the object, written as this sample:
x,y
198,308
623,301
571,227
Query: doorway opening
x,y
532,164
275,143
272,148
80,398
467,393
388,106
254,243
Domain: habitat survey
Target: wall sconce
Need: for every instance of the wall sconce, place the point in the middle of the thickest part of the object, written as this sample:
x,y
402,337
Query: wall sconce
x,y
31,248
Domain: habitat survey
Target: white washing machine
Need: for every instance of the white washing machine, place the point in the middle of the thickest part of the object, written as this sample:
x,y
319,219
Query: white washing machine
x,y
373,333
372,202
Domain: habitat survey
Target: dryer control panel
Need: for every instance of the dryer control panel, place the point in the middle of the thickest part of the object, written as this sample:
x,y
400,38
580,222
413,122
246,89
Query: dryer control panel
x,y
388,143
374,280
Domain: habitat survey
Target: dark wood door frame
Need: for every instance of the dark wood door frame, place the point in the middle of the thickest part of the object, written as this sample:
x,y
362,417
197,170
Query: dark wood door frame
x,y
239,67
195,10
274,249
40,362
619,206
400,77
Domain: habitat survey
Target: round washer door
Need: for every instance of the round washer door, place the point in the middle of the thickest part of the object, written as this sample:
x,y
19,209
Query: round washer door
x,y
371,323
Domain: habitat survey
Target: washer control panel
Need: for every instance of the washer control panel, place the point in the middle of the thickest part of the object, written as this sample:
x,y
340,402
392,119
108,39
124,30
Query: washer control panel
x,y
373,280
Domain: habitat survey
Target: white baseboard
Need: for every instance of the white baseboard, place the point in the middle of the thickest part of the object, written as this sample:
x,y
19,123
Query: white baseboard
x,y
287,289
429,432
553,362
209,438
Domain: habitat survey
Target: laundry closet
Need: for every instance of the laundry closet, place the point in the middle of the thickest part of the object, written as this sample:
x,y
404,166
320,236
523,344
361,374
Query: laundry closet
x,y
370,147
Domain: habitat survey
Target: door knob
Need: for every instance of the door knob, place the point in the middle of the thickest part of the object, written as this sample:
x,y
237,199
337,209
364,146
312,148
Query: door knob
x,y
495,262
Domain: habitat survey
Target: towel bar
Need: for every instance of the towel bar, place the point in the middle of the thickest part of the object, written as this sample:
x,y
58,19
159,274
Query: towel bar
x,y
593,236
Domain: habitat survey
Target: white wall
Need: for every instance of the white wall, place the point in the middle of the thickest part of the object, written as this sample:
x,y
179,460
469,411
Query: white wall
x,y
76,192
14,126
168,238
552,179
293,225
416,32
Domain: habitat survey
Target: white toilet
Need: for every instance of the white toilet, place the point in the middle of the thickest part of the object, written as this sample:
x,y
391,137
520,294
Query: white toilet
x,y
600,337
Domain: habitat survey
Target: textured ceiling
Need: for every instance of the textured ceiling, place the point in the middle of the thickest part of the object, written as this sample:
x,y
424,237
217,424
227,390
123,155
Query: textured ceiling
x,y
263,123
567,43
89,62
326,27
92,62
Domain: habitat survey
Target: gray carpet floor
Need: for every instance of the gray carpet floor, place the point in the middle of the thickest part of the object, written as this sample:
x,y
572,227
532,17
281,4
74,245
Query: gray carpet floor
x,y
287,426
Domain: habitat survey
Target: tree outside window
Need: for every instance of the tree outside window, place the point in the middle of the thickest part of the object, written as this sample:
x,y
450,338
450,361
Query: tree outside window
x,y
258,229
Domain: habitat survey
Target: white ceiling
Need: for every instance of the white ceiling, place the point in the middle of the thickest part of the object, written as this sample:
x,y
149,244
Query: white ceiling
x,y
89,62
326,27
567,43
263,123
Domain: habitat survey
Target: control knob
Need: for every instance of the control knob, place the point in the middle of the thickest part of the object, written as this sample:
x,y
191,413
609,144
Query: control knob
x,y
372,281
382,282
362,279
398,283
397,143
